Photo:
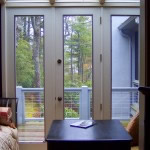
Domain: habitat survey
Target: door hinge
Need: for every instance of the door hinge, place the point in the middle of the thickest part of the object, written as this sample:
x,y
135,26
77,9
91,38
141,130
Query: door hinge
x,y
101,107
100,57
100,20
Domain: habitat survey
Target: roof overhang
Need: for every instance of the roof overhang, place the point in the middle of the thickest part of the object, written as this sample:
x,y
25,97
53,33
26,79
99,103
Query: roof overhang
x,y
129,26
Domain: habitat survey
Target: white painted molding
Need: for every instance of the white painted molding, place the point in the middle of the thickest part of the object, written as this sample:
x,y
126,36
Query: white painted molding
x,y
102,2
47,4
52,2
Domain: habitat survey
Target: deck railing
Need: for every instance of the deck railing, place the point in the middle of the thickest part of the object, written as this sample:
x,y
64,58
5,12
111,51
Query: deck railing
x,y
77,102
123,98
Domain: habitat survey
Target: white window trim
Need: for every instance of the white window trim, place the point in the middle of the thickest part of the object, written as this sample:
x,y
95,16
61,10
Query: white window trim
x,y
74,1
43,4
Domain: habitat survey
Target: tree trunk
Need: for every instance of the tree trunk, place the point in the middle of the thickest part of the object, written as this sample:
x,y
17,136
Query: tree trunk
x,y
36,20
71,58
24,28
79,56
28,30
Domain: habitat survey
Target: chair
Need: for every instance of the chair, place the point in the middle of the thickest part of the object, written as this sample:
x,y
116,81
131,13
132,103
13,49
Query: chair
x,y
133,130
12,103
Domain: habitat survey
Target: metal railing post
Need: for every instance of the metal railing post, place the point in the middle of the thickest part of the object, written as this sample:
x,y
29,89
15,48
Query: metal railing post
x,y
21,105
84,103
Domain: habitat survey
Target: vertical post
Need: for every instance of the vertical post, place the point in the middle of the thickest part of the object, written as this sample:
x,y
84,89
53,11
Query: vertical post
x,y
84,104
21,105
0,57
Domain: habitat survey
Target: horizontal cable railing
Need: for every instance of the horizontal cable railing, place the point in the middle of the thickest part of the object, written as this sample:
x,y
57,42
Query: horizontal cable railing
x,y
123,101
77,103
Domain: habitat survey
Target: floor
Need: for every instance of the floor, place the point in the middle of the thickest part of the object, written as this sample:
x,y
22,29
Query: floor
x,y
31,131
34,131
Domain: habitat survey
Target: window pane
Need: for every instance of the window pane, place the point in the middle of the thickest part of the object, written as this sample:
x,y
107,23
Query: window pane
x,y
125,66
29,35
78,67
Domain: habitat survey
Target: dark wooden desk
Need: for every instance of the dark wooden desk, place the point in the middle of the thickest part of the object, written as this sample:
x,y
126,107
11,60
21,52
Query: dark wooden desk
x,y
104,135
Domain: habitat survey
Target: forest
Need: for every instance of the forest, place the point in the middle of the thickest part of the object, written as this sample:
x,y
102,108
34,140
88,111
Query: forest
x,y
29,33
30,51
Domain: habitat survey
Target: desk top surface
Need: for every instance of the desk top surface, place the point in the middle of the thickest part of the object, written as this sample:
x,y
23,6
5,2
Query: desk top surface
x,y
103,130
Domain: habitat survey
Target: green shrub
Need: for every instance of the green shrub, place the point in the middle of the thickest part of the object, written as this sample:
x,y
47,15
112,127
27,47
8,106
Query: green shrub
x,y
70,113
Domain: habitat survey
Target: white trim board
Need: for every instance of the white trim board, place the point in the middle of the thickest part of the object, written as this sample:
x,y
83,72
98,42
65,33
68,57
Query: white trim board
x,y
47,4
74,1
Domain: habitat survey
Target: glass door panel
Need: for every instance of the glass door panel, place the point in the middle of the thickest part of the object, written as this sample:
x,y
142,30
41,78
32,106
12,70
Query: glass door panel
x,y
29,45
125,67
78,66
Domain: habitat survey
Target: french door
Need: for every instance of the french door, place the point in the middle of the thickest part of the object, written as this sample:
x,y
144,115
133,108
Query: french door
x,y
78,73
29,68
54,67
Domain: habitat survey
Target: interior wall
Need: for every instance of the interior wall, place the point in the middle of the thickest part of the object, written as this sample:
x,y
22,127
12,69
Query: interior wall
x,y
0,58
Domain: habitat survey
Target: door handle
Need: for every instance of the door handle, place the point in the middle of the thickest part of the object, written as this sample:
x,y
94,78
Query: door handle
x,y
59,99
145,90
59,61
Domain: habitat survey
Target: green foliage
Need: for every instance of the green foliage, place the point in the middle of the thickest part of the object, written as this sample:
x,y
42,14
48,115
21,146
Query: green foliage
x,y
24,64
35,110
76,82
42,110
70,113
29,51
78,51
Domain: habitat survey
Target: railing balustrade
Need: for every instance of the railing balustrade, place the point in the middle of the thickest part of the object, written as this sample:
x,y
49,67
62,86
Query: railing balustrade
x,y
77,102
123,98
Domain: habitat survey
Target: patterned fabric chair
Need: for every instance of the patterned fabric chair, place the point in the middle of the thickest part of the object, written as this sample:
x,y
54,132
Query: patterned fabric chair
x,y
133,130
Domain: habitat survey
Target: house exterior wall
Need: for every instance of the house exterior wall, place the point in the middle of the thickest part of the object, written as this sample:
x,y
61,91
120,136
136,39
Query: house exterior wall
x,y
121,55
121,69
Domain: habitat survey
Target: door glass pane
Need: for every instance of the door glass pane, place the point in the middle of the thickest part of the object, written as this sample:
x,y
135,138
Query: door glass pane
x,y
125,67
78,67
29,35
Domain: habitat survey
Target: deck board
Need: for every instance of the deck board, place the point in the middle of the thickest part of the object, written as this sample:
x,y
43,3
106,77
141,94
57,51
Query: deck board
x,y
31,131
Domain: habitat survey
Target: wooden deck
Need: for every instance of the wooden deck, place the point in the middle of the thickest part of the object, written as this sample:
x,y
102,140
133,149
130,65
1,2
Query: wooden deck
x,y
31,131
34,131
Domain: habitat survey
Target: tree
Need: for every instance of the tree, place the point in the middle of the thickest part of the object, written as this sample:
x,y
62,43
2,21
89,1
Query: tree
x,y
24,64
36,24
78,49
29,31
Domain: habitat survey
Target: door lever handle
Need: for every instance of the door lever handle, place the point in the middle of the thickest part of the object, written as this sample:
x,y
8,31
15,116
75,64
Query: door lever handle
x,y
59,99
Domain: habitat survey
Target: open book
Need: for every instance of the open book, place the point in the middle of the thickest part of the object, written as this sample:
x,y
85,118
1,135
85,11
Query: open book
x,y
83,123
